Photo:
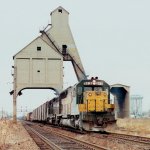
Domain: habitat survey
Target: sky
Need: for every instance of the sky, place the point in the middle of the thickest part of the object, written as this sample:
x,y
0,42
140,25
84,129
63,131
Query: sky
x,y
112,37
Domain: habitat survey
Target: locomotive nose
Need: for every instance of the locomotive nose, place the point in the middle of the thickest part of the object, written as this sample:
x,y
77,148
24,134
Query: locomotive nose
x,y
98,93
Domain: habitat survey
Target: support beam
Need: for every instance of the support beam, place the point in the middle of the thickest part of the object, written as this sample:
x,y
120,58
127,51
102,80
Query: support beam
x,y
14,107
14,99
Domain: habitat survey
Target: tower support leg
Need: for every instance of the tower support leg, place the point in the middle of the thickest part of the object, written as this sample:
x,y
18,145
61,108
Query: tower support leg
x,y
14,107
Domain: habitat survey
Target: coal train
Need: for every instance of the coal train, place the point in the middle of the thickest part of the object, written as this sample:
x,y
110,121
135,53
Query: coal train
x,y
84,106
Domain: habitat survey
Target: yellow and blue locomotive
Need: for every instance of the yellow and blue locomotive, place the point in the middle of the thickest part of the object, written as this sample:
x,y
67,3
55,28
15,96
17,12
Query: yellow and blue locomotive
x,y
85,106
93,99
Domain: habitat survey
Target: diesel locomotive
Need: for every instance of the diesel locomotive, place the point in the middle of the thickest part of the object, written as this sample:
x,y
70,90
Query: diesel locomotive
x,y
84,106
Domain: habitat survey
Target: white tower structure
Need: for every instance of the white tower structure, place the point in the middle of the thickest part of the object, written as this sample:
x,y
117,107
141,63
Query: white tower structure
x,y
39,65
59,35
136,105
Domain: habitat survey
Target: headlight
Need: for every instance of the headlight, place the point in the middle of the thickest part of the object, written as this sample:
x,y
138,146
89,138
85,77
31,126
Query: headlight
x,y
90,94
94,82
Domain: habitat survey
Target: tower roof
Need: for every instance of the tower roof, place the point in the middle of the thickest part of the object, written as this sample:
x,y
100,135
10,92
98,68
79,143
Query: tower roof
x,y
58,9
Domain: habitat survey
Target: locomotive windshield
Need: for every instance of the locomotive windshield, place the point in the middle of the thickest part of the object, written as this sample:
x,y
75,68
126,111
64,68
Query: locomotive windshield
x,y
95,88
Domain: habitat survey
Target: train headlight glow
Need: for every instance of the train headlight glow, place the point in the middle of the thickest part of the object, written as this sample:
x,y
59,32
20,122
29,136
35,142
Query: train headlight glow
x,y
90,94
94,82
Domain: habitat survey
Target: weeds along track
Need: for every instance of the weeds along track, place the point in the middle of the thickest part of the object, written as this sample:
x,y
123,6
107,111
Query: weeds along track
x,y
46,138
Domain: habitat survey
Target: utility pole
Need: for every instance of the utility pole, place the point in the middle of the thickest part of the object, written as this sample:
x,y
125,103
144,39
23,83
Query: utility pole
x,y
2,113
23,109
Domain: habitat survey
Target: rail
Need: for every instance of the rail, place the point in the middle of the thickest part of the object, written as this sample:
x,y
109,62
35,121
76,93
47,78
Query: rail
x,y
51,144
133,138
61,141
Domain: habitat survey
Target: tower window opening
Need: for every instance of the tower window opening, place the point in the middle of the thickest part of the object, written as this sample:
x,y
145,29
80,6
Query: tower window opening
x,y
60,10
64,49
38,48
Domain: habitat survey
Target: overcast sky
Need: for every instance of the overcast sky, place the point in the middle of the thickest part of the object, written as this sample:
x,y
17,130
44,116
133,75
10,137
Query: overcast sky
x,y
112,36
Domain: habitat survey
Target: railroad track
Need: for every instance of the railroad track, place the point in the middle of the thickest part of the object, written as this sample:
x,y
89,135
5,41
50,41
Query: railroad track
x,y
136,139
46,138
135,142
41,142
140,143
111,140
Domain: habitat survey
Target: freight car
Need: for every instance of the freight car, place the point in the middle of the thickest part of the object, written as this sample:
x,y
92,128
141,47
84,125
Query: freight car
x,y
84,106
28,116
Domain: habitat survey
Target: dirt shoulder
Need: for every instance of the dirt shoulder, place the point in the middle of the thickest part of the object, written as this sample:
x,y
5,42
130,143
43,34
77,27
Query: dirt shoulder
x,y
15,137
138,127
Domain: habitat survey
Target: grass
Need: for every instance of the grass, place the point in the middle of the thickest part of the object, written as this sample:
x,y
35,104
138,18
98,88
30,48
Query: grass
x,y
4,133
